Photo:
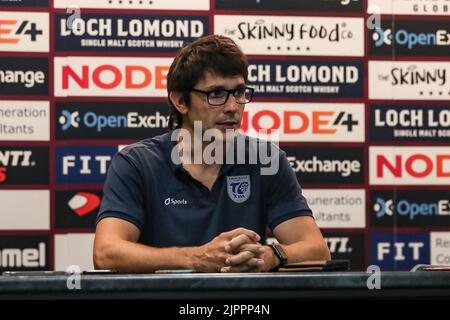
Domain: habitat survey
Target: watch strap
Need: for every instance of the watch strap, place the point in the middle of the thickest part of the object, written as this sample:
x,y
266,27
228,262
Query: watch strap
x,y
281,255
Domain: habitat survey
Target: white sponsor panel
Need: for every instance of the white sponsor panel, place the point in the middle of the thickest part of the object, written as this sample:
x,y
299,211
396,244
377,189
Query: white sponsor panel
x,y
409,165
281,35
135,4
306,122
337,208
410,7
418,80
114,77
25,210
74,249
440,248
24,120
24,31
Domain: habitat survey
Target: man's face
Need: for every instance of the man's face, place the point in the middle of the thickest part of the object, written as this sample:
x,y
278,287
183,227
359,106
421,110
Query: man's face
x,y
223,117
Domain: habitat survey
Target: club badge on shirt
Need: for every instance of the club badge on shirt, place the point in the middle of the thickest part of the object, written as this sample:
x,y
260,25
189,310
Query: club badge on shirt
x,y
238,188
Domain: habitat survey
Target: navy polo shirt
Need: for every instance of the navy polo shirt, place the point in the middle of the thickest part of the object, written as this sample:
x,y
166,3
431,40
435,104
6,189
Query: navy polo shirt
x,y
171,208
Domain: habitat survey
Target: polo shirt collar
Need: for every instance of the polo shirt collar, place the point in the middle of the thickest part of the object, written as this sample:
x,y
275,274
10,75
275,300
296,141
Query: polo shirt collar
x,y
170,144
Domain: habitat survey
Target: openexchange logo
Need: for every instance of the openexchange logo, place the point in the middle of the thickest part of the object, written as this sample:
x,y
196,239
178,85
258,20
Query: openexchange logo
x,y
383,207
409,209
27,78
410,39
344,167
99,122
68,119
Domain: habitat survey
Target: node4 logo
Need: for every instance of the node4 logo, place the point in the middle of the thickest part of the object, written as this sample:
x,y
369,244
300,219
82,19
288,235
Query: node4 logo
x,y
238,188
409,165
411,209
75,165
27,31
111,76
409,39
319,122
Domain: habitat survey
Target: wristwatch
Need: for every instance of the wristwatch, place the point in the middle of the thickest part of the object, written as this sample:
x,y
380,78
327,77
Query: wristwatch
x,y
279,252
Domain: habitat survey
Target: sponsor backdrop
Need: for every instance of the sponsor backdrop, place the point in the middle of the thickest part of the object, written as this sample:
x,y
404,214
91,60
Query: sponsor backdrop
x,y
357,91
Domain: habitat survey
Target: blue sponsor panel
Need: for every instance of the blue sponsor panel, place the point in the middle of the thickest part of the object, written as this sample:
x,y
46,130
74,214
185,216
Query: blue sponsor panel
x,y
411,38
23,3
399,251
133,33
306,79
410,208
80,165
110,120
410,123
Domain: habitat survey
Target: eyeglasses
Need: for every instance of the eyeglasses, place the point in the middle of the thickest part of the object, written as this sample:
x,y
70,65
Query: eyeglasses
x,y
219,96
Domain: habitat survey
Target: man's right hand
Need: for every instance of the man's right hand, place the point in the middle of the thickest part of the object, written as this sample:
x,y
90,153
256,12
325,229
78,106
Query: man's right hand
x,y
238,248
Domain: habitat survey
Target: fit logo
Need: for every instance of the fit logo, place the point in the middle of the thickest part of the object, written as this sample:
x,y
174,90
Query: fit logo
x,y
83,163
397,250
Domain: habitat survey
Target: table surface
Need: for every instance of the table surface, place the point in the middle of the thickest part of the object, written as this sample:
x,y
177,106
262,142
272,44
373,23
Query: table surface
x,y
309,285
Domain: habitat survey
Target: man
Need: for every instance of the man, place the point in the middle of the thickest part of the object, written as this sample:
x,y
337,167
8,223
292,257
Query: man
x,y
161,211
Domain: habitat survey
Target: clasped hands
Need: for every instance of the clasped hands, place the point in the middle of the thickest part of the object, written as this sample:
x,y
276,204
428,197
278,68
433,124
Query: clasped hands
x,y
238,250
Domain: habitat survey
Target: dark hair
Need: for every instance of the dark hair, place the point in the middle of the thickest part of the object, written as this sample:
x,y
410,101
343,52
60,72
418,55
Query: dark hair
x,y
214,53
